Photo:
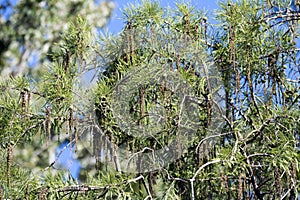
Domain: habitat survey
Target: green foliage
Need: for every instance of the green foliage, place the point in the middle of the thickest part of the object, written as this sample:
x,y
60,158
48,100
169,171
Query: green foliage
x,y
35,27
253,154
33,112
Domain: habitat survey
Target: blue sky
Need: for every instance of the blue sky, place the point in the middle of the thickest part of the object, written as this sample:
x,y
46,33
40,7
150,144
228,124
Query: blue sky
x,y
116,23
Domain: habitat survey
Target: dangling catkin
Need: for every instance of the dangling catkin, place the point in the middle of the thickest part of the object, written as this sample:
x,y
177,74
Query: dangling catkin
x,y
48,125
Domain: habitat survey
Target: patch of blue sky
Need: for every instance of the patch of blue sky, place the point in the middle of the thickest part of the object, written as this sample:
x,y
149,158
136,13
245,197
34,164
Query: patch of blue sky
x,y
65,159
117,23
8,4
